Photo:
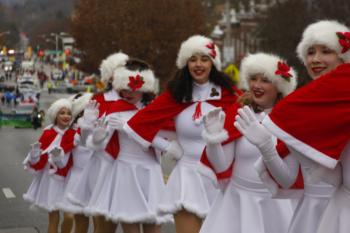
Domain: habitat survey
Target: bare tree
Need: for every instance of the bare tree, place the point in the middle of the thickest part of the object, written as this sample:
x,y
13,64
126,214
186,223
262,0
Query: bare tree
x,y
151,30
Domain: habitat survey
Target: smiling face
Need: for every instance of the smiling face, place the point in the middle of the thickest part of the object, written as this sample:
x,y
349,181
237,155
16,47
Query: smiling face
x,y
131,97
200,66
320,60
64,117
263,91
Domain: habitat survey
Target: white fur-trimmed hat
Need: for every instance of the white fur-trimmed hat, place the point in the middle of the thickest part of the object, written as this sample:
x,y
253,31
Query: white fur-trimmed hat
x,y
135,80
272,67
109,64
79,102
324,32
56,107
198,44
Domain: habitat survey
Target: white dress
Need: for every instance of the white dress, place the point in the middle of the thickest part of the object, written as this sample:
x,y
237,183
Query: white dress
x,y
336,217
86,190
133,186
314,198
81,156
47,189
191,185
246,205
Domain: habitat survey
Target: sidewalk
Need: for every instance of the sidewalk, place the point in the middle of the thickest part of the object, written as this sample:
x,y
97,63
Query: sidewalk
x,y
19,230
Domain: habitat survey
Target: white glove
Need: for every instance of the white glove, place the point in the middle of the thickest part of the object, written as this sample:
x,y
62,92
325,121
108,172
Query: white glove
x,y
214,131
251,128
174,150
91,112
100,133
56,157
116,122
35,152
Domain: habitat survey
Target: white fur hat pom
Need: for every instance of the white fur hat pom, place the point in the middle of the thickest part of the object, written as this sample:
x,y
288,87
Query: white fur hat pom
x,y
109,64
135,80
325,32
79,102
271,67
56,107
198,44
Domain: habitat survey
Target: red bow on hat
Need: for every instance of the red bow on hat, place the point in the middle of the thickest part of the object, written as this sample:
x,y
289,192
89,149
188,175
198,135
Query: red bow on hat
x,y
135,82
283,70
344,40
212,52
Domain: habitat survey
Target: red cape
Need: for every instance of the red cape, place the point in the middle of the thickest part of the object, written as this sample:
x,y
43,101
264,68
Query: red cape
x,y
161,112
315,119
113,147
67,144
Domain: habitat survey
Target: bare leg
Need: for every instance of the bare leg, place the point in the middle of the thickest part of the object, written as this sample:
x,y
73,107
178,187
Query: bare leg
x,y
81,223
105,226
186,222
151,228
54,219
67,223
131,228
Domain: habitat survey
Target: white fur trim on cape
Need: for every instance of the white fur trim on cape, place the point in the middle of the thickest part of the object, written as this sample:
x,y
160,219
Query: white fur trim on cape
x,y
80,103
121,80
197,44
266,64
323,33
132,134
299,146
109,64
56,107
214,138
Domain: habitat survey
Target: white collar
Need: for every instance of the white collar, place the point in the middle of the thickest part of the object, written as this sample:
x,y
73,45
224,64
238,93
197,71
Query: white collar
x,y
58,130
111,95
206,91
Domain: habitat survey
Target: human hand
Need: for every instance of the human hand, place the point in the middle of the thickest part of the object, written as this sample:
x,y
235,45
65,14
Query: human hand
x,y
91,112
251,128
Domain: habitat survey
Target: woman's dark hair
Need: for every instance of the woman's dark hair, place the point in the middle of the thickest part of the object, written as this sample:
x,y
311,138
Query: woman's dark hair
x,y
136,64
180,86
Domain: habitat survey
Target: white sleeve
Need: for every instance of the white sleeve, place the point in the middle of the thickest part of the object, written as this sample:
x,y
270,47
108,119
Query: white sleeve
x,y
284,171
220,156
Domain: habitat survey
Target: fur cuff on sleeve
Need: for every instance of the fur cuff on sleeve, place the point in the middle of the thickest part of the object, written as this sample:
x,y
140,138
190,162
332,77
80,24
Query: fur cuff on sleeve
x,y
215,138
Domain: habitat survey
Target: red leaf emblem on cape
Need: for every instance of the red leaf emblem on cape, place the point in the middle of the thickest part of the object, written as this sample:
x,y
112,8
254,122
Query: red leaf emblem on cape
x,y
136,82
212,52
344,40
283,70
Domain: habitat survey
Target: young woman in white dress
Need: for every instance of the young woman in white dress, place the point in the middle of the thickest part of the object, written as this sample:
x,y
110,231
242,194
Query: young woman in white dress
x,y
81,155
198,87
50,160
132,189
246,204
88,185
322,52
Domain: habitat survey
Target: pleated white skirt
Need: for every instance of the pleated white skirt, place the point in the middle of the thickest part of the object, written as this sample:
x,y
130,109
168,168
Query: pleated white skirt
x,y
247,208
191,186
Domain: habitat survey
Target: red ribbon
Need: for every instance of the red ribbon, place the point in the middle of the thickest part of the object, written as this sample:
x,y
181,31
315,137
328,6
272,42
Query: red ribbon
x,y
198,112
344,40
135,82
283,70
212,52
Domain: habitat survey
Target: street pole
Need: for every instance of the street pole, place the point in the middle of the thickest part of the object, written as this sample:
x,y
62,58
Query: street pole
x,y
56,37
56,47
